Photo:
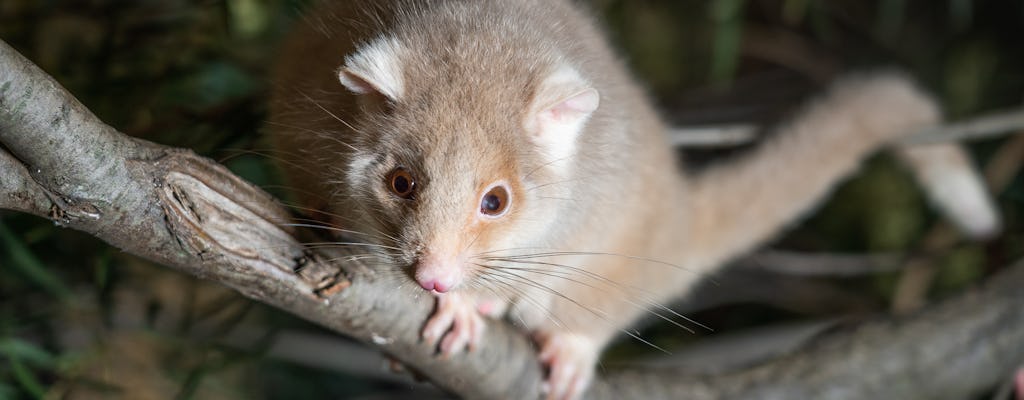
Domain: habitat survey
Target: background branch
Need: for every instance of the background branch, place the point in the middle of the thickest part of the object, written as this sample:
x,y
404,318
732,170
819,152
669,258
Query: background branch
x,y
986,126
952,351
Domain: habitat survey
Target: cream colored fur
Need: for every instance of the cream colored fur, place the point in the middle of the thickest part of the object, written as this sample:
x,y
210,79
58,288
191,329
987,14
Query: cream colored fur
x,y
607,229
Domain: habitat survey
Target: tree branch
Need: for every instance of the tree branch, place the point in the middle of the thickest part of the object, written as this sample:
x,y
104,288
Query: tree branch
x,y
17,189
189,213
954,350
990,125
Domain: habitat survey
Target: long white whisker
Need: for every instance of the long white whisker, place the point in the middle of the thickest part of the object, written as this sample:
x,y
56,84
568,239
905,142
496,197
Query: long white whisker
x,y
548,289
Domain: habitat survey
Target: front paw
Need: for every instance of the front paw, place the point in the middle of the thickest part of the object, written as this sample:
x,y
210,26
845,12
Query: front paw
x,y
570,361
455,324
491,307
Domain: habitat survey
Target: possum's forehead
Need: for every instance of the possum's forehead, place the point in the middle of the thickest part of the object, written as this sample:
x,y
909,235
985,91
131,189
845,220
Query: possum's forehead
x,y
446,107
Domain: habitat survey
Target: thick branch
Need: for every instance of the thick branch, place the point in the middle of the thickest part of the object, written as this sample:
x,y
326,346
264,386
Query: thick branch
x,y
952,351
189,213
17,189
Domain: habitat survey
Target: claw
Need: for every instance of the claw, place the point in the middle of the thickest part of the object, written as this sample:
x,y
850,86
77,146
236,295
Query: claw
x,y
454,326
570,360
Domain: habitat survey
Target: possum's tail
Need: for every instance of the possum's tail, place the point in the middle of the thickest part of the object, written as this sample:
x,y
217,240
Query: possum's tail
x,y
736,205
953,186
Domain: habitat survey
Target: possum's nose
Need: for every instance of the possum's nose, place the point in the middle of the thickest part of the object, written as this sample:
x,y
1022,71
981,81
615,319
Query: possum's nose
x,y
436,273
434,284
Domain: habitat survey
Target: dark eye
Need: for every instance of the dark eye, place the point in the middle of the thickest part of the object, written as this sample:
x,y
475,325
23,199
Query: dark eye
x,y
401,183
495,201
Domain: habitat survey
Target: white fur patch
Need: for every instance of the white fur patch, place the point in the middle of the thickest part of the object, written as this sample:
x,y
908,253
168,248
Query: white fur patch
x,y
559,112
376,66
356,172
953,186
960,194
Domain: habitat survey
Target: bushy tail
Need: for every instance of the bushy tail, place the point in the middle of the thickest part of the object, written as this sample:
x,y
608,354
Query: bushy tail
x,y
737,205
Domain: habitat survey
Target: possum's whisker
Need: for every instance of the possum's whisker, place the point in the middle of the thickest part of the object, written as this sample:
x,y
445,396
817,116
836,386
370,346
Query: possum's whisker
x,y
559,198
331,228
337,118
363,257
521,294
578,270
325,245
638,292
580,253
322,134
266,153
649,306
538,186
506,297
597,313
547,164
505,273
339,216
293,189
375,234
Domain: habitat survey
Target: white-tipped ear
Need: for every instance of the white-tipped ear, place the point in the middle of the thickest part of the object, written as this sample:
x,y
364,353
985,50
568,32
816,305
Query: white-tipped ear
x,y
375,69
572,109
356,83
560,110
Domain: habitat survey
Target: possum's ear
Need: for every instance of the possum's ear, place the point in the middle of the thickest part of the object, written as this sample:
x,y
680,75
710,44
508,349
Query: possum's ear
x,y
375,69
558,112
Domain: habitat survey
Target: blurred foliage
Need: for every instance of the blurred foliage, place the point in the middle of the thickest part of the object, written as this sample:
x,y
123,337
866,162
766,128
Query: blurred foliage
x,y
79,319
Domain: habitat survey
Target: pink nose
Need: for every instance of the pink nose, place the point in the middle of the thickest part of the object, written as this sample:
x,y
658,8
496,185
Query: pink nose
x,y
440,274
433,285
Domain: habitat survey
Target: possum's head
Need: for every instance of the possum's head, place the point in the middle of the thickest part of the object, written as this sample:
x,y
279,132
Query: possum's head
x,y
456,155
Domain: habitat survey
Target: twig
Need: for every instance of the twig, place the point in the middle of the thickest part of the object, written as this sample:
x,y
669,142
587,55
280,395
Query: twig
x,y
713,136
821,265
986,126
920,271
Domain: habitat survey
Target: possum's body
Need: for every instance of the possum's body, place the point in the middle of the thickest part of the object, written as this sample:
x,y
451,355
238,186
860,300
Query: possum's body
x,y
410,120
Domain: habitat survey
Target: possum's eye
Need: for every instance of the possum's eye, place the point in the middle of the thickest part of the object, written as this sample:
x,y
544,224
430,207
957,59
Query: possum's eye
x,y
401,183
495,202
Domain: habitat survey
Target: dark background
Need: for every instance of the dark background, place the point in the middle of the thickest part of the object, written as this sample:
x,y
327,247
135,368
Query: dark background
x,y
79,319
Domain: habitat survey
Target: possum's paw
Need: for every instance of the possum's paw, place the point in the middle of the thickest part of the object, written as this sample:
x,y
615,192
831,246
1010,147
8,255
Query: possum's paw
x,y
455,324
570,363
884,105
491,307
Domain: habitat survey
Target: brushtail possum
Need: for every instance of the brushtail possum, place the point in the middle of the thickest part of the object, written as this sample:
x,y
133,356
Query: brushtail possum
x,y
497,154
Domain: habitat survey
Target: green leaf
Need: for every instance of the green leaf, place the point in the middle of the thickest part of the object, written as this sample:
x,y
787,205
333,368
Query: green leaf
x,y
7,392
727,16
21,259
27,351
26,379
248,17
